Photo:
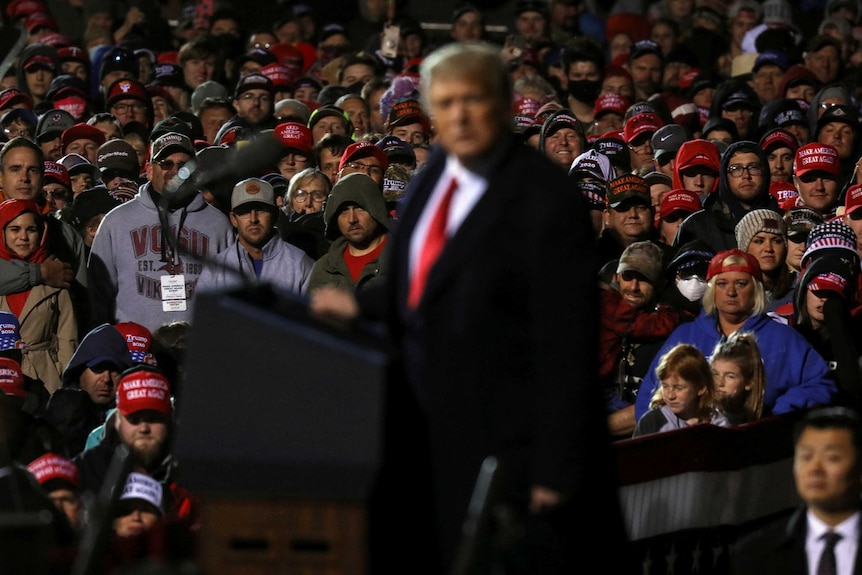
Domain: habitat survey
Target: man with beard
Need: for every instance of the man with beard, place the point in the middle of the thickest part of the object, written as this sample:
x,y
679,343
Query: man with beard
x,y
51,126
90,382
259,254
253,101
142,422
357,224
583,62
633,327
185,230
743,185
839,127
646,66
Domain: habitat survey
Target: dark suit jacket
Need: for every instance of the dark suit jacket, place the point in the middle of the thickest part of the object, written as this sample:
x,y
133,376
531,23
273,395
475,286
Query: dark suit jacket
x,y
500,354
777,548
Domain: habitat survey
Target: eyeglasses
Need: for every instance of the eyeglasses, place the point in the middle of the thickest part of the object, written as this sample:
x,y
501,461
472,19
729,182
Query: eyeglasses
x,y
812,177
249,97
168,165
264,45
123,108
690,275
301,196
367,168
736,170
13,132
641,148
855,215
57,194
798,237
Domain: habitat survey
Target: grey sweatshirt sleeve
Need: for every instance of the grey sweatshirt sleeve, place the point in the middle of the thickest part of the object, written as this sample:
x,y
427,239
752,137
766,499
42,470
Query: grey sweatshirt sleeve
x,y
18,275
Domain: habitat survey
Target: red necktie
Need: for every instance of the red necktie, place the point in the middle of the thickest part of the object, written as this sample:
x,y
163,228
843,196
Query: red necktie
x,y
434,242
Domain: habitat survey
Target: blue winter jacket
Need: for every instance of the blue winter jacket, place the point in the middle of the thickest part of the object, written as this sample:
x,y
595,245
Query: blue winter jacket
x,y
796,375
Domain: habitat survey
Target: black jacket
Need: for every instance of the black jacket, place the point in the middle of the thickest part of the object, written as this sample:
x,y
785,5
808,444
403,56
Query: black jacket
x,y
715,224
778,548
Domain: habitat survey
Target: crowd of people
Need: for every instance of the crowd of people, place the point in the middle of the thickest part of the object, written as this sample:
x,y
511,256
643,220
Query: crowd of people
x,y
712,147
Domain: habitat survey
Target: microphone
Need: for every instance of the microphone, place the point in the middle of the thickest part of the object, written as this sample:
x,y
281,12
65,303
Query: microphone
x,y
261,152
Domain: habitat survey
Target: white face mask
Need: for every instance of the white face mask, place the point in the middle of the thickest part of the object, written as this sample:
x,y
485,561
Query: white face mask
x,y
692,288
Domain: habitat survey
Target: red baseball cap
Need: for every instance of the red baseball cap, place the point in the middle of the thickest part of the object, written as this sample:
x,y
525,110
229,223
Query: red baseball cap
x,y
358,150
144,389
289,56
294,136
11,96
611,102
698,153
783,191
138,340
23,8
11,378
279,75
778,138
686,78
853,198
82,131
679,200
642,123
718,266
57,173
126,88
74,54
40,20
52,466
526,107
829,282
40,61
816,157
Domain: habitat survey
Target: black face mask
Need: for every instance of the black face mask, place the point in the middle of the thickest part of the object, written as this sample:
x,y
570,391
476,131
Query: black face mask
x,y
356,87
585,90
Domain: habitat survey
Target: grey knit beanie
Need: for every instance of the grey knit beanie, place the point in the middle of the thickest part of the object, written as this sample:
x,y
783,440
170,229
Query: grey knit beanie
x,y
757,221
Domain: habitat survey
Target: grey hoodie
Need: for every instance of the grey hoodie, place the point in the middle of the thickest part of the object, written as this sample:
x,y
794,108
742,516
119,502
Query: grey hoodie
x,y
126,264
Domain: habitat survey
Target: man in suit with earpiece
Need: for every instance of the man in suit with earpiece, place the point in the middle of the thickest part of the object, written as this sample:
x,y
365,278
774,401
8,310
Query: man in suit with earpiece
x,y
822,536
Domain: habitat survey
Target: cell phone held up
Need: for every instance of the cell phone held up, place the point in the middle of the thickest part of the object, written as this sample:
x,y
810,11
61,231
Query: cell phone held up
x,y
389,41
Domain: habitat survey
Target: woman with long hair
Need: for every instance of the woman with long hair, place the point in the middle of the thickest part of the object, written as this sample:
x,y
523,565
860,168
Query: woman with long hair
x,y
740,379
686,396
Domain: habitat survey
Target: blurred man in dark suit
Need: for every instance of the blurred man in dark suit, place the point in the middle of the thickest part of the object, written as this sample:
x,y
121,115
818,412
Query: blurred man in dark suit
x,y
492,306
